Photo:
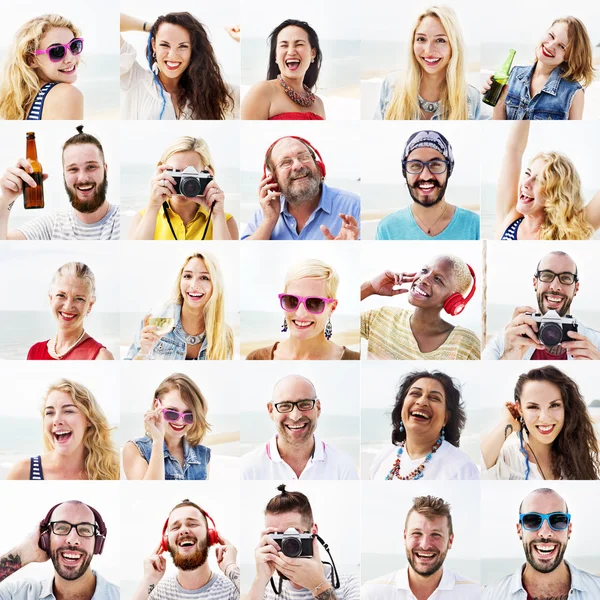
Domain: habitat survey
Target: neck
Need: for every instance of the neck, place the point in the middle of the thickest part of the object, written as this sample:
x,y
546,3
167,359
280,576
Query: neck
x,y
419,448
532,579
186,209
421,586
301,211
300,452
94,217
173,444
426,319
170,84
297,83
64,339
429,211
533,223
431,86
311,348
192,320
72,465
193,580
82,588
542,71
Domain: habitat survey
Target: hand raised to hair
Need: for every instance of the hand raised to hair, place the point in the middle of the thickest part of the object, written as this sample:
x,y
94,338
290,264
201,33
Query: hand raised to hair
x,y
389,283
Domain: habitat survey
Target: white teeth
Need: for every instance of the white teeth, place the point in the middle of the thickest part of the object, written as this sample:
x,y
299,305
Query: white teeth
x,y
419,291
426,186
296,426
545,428
547,549
302,323
423,555
195,295
72,556
70,70
432,61
172,64
85,188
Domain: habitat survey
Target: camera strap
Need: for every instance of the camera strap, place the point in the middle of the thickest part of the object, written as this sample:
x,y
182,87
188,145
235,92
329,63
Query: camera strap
x,y
165,208
208,220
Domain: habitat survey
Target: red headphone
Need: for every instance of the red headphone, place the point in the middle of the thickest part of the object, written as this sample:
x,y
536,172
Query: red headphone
x,y
212,533
455,304
319,162
45,529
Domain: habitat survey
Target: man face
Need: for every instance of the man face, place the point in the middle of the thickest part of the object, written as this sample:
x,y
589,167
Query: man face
x,y
296,427
84,177
555,295
426,188
71,554
427,541
188,538
544,548
295,171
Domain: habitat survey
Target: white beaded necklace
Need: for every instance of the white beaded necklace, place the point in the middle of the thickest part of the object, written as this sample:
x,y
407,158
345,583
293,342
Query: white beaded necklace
x,y
54,353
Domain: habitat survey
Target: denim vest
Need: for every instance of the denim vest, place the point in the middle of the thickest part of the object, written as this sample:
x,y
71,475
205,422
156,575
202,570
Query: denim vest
x,y
552,103
195,459
171,346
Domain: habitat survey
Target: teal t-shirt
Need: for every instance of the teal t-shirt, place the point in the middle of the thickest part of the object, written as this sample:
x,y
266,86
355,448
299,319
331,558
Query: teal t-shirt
x,y
401,225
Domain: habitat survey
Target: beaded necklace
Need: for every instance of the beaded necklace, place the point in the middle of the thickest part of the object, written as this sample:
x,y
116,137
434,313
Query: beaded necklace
x,y
54,353
307,100
415,473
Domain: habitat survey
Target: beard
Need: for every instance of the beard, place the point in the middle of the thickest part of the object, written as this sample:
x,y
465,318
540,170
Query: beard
x,y
428,202
295,440
562,311
543,567
305,191
64,571
431,569
189,562
91,205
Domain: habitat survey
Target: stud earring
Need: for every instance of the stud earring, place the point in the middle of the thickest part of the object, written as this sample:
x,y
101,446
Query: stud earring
x,y
284,326
328,329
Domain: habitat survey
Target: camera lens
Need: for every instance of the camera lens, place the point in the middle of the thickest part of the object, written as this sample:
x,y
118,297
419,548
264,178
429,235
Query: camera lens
x,y
291,546
190,187
550,334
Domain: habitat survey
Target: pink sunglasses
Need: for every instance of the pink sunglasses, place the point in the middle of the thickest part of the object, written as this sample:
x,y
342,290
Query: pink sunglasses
x,y
171,415
57,52
313,304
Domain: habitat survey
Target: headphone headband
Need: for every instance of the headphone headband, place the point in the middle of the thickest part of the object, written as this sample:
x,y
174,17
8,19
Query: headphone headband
x,y
319,162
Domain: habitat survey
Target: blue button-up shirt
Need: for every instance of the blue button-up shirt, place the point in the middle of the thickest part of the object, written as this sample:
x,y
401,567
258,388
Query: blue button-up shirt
x,y
332,203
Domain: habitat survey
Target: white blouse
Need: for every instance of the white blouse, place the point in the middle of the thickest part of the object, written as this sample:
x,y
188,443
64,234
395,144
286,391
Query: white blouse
x,y
447,463
511,462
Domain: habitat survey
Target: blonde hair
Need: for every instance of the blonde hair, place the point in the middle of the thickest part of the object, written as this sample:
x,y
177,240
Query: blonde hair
x,y
194,399
187,143
405,104
21,83
79,270
101,456
219,336
460,272
315,269
564,205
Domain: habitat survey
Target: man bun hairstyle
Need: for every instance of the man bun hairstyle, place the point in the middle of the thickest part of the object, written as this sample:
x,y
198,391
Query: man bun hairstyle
x,y
290,502
83,138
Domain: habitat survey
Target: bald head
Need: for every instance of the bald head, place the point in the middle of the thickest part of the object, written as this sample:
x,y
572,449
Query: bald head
x,y
71,507
557,261
543,500
283,147
293,387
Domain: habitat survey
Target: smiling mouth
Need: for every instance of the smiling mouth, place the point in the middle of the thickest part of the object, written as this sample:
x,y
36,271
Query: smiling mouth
x,y
545,550
187,543
177,427
425,555
70,557
419,291
546,52
67,316
420,416
431,62
67,70
297,427
545,429
62,436
85,188
195,296
525,199
292,64
302,324
172,66
553,301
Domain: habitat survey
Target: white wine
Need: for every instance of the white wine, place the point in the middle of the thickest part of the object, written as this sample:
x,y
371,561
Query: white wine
x,y
163,324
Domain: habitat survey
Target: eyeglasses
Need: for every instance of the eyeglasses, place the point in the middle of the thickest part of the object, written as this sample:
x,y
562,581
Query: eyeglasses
x,y
533,521
313,304
288,407
547,276
57,52
414,167
303,157
64,528
171,415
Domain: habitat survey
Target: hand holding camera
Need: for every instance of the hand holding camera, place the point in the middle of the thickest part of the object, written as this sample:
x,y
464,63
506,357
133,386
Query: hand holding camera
x,y
520,334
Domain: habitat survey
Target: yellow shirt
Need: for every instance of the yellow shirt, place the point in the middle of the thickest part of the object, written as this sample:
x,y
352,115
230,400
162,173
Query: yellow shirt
x,y
192,231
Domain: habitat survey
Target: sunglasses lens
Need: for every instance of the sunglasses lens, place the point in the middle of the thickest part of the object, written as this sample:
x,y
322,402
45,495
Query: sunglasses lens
x,y
171,415
532,521
289,302
559,522
188,418
76,47
56,53
315,305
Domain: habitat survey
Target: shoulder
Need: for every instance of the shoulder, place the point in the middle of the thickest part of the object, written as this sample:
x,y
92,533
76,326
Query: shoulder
x,y
465,335
473,94
64,101
462,465
109,590
261,353
253,461
342,198
384,580
136,447
258,100
36,350
20,470
385,455
400,216
350,354
467,215
497,590
583,579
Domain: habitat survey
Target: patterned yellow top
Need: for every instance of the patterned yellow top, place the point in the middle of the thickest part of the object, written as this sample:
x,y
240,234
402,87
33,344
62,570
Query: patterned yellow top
x,y
389,335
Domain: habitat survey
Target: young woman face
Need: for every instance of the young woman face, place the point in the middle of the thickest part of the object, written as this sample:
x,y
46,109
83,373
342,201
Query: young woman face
x,y
195,284
64,71
424,410
531,198
302,324
173,400
543,410
70,302
552,48
64,423
433,285
293,53
431,46
173,49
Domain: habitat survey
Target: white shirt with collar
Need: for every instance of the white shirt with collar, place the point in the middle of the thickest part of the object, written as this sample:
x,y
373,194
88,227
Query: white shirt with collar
x,y
326,462
584,586
395,586
29,589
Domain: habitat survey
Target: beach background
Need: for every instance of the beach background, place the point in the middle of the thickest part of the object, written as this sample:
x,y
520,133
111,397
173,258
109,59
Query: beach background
x,y
338,25
263,273
26,271
338,388
98,70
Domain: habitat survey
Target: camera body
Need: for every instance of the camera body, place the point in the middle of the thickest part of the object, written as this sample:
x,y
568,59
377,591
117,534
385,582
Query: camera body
x,y
189,182
294,544
553,329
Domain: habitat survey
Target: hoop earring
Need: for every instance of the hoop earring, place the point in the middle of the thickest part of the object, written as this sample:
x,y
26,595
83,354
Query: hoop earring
x,y
284,327
328,329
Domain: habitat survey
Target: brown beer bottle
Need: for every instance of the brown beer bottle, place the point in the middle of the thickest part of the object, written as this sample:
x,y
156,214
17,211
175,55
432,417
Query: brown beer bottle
x,y
33,196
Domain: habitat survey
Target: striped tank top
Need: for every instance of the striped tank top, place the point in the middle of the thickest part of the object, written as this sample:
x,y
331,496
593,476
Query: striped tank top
x,y
35,468
511,230
35,112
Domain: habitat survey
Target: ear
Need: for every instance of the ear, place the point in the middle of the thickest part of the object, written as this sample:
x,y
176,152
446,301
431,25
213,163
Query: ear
x,y
404,535
314,528
519,531
313,53
153,43
334,305
91,305
535,282
576,288
32,61
318,406
446,421
450,541
570,529
271,410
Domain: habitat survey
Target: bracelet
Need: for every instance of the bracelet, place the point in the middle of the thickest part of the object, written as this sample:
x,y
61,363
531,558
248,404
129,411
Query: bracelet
x,y
144,26
320,585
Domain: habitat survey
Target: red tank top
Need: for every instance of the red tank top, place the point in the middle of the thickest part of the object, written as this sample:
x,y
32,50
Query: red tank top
x,y
543,355
86,350
297,116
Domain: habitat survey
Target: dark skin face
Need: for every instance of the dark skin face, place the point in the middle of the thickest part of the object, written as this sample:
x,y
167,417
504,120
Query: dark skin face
x,y
433,285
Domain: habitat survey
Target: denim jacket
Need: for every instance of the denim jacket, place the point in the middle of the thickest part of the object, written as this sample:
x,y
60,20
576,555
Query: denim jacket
x,y
387,93
171,346
553,102
195,459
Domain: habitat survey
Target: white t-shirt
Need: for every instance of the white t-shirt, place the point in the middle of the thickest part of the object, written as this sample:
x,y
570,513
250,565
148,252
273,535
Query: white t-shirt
x,y
68,226
447,463
394,586
327,462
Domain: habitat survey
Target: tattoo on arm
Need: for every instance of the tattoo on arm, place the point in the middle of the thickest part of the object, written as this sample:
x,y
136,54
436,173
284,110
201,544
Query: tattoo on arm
x,y
11,204
327,595
234,575
508,430
8,565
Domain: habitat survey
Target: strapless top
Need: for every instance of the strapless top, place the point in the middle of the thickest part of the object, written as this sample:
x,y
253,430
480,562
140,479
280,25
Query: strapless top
x,y
297,116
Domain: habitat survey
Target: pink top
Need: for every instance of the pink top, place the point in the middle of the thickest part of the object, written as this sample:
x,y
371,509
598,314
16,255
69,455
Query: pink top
x,y
86,350
297,116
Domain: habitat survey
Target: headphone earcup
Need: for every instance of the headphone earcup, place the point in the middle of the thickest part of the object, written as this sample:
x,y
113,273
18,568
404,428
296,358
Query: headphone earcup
x,y
321,168
213,537
99,544
44,541
164,544
455,304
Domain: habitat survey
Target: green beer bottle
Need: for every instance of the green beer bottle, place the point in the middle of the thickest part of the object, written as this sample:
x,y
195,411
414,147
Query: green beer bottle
x,y
500,79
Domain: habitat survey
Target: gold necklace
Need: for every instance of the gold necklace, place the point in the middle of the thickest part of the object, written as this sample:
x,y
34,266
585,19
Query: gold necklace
x,y
434,224
54,354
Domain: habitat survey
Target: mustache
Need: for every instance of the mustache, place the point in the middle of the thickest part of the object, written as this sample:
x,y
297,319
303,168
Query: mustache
x,y
433,182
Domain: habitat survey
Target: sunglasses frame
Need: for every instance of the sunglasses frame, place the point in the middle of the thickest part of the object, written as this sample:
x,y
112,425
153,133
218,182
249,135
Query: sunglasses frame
x,y
65,47
544,517
302,300
180,415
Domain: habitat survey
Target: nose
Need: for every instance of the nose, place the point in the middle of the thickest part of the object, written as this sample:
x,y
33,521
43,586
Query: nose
x,y
545,530
73,537
295,414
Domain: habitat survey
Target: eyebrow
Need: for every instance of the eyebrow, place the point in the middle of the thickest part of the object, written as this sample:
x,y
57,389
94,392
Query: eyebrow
x,y
88,162
187,520
416,387
192,272
434,35
63,406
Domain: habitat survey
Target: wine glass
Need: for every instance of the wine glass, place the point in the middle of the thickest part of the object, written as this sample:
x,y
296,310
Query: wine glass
x,y
163,318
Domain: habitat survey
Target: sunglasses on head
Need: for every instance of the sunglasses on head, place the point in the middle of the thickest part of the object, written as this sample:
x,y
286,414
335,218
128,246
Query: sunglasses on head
x,y
171,415
533,521
57,52
313,304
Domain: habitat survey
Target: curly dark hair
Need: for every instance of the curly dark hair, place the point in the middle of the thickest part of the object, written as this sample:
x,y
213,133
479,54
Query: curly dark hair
x,y
201,86
575,450
312,75
454,405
